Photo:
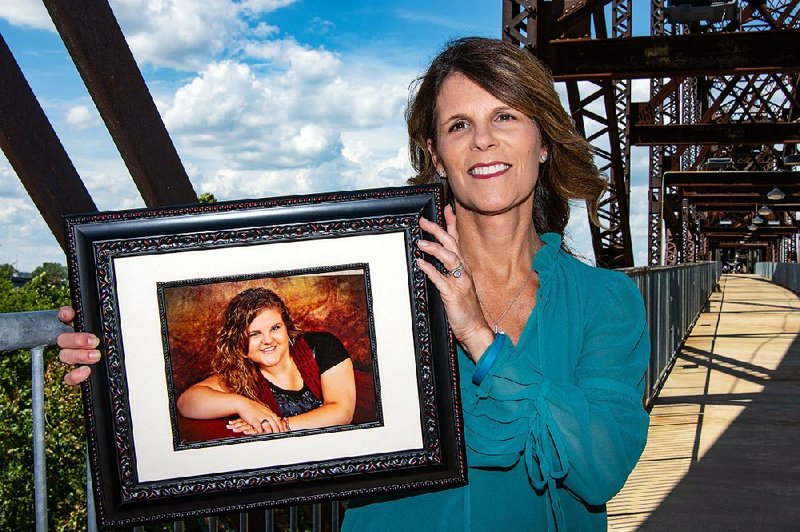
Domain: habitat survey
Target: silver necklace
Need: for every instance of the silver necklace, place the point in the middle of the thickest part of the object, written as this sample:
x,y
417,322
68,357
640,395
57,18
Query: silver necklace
x,y
496,324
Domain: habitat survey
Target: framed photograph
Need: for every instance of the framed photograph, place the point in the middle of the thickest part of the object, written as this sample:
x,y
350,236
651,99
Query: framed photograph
x,y
307,311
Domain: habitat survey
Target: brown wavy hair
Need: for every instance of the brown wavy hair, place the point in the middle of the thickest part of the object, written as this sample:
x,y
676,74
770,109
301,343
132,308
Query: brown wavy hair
x,y
522,82
237,373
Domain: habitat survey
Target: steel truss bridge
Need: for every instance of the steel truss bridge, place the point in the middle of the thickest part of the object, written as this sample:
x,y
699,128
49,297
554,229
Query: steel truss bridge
x,y
721,122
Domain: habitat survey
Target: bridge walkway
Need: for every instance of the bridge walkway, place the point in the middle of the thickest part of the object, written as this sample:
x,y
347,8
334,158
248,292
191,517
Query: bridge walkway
x,y
723,452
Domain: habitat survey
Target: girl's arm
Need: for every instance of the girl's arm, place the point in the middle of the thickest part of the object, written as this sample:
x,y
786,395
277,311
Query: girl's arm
x,y
338,400
208,400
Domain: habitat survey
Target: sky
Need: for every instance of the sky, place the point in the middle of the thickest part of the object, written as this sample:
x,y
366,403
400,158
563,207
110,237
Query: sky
x,y
261,98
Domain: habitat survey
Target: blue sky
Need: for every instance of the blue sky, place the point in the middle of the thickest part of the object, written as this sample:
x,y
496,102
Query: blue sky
x,y
261,98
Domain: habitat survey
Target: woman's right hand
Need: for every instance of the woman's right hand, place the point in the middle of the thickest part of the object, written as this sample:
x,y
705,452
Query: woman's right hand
x,y
76,348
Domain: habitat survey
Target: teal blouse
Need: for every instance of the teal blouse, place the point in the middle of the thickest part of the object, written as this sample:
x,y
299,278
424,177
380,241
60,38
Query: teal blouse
x,y
556,425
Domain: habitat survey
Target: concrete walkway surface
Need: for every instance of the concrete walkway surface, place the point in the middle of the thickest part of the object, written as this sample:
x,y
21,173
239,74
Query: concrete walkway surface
x,y
723,452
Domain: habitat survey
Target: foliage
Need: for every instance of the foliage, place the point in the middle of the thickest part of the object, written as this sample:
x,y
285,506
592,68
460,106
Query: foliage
x,y
206,197
64,434
7,270
54,274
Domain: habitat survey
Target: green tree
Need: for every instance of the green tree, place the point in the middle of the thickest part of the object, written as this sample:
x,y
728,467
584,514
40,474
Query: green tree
x,y
7,270
206,197
54,273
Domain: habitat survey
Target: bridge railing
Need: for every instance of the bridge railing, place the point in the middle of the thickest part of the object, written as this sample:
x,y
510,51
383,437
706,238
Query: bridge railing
x,y
785,274
674,296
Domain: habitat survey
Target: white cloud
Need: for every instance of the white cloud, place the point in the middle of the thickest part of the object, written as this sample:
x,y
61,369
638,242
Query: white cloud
x,y
81,117
639,223
577,235
320,26
301,63
27,241
263,29
300,115
183,34
26,13
640,90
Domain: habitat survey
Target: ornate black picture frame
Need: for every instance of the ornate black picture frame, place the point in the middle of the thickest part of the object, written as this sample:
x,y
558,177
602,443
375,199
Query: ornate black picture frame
x,y
120,265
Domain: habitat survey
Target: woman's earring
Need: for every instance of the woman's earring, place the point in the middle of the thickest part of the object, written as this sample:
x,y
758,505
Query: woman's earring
x,y
542,158
442,174
291,342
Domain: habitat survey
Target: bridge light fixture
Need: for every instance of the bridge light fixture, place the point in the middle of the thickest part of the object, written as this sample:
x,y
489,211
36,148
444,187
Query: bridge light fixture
x,y
775,194
765,211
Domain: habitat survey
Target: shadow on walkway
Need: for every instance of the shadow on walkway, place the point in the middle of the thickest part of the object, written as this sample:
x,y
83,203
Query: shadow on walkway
x,y
724,446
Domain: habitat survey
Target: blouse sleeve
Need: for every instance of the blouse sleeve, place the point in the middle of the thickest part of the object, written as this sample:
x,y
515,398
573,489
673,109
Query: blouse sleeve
x,y
587,434
327,348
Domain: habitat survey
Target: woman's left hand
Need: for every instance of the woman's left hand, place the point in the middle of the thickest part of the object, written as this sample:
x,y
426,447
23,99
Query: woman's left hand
x,y
240,426
458,293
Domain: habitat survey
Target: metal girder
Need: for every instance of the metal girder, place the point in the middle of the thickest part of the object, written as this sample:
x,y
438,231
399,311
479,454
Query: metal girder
x,y
732,179
705,54
741,244
598,108
661,247
739,207
731,133
741,199
717,97
35,152
760,232
104,61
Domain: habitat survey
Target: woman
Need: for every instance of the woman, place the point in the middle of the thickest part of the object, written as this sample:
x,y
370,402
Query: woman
x,y
269,375
552,352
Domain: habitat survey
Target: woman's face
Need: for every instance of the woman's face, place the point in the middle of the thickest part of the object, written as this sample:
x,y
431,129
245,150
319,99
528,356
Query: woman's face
x,y
489,151
268,339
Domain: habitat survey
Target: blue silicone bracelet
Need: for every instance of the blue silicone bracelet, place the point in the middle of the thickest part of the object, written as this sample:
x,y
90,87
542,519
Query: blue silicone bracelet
x,y
488,358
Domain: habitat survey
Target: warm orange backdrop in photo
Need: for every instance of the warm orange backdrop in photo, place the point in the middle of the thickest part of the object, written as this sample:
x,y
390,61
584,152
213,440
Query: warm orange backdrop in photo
x,y
330,302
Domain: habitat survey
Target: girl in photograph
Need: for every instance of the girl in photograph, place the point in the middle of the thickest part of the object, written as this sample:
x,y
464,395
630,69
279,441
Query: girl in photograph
x,y
269,375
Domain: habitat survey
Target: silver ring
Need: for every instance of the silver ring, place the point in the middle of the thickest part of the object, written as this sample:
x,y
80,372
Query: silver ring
x,y
458,271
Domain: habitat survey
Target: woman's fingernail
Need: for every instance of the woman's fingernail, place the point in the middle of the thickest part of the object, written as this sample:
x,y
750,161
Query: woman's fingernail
x,y
423,243
93,341
94,355
83,371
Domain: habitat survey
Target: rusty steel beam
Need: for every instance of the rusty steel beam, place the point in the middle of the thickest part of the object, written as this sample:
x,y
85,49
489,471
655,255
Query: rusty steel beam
x,y
740,245
761,231
734,179
716,206
35,153
733,133
740,199
101,54
704,54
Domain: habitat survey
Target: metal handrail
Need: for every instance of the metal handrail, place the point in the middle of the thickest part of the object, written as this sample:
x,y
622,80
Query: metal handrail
x,y
782,273
674,296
